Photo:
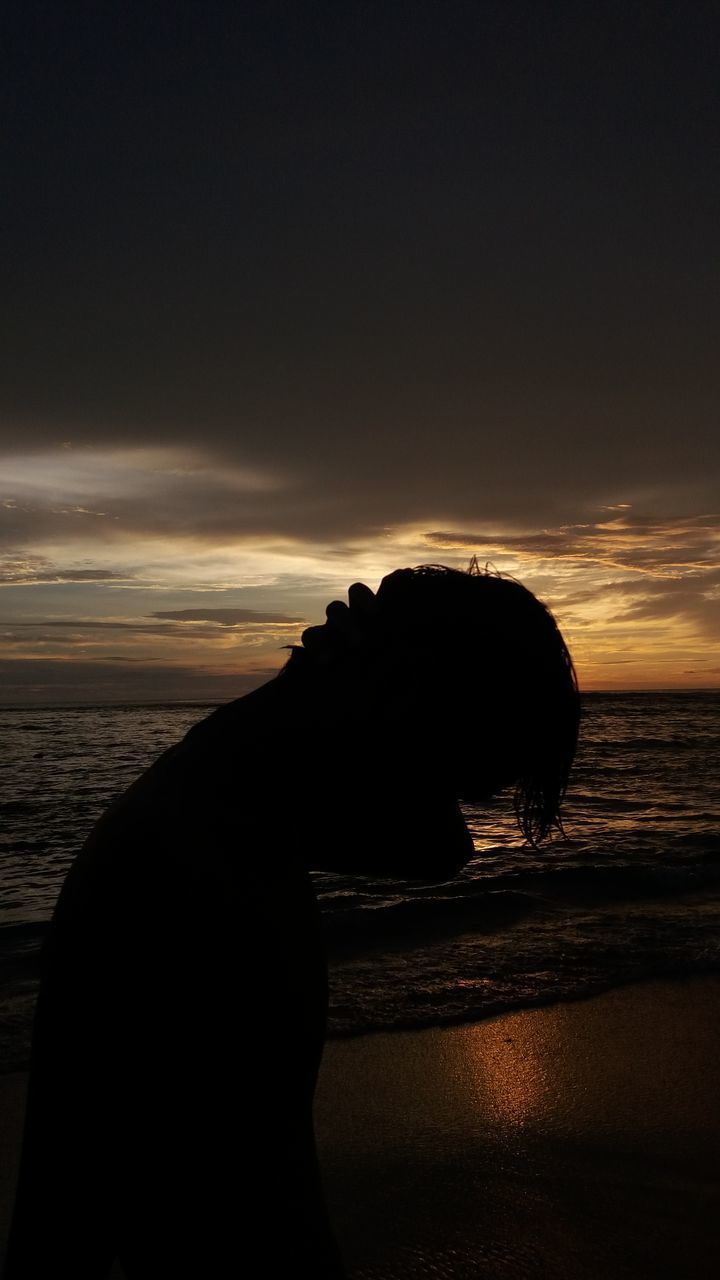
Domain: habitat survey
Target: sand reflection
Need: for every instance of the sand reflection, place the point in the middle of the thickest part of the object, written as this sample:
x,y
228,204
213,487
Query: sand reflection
x,y
506,1070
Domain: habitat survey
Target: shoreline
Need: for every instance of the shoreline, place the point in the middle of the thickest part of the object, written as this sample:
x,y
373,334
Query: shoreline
x,y
454,1021
571,1140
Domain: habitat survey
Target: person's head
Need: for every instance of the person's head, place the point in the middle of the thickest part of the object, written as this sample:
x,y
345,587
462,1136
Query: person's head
x,y
467,672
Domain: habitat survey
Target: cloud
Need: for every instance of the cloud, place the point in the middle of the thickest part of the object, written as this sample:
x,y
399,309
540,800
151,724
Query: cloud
x,y
670,565
664,545
408,334
40,629
633,590
144,491
74,474
464,320
224,481
698,605
225,617
36,570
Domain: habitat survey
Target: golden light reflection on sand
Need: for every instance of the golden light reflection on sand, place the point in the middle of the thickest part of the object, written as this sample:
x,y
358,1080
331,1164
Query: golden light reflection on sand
x,y
508,1071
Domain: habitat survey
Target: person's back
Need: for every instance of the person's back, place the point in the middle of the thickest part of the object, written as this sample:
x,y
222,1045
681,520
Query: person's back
x,y
179,1031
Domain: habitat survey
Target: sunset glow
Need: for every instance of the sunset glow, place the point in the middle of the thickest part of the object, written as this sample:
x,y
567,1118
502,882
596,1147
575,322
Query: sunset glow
x,y
128,559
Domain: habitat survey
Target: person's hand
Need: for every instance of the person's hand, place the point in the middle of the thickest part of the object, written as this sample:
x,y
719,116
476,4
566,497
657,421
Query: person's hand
x,y
347,629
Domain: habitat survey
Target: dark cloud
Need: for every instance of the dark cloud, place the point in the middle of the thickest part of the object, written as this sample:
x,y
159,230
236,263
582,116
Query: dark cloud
x,y
35,571
698,581
24,522
451,270
122,657
699,606
661,545
224,617
339,501
512,471
41,629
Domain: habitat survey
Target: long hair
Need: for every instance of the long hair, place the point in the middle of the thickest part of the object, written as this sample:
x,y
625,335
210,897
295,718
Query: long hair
x,y
521,662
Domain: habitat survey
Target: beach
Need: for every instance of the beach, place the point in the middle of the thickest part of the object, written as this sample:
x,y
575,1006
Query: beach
x,y
577,1140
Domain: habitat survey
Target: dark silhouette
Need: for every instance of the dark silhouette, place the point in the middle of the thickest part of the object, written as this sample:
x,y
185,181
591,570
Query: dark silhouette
x,y
182,1009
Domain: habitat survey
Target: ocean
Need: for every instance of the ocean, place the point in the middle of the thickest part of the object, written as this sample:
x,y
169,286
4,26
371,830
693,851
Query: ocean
x,y
633,891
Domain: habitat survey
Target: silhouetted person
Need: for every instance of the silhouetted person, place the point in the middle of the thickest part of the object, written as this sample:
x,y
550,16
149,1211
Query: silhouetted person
x,y
182,1008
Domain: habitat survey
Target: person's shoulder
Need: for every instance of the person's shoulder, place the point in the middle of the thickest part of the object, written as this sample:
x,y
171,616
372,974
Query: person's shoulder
x,y
214,724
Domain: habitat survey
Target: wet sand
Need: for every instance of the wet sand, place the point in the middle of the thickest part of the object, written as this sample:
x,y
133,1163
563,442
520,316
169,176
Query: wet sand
x,y
574,1142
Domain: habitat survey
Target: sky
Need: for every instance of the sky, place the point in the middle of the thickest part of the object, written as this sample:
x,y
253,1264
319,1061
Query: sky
x,y
295,294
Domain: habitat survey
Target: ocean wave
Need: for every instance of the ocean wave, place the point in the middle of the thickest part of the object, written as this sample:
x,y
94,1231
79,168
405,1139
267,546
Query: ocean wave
x,y
472,908
681,744
347,1020
558,956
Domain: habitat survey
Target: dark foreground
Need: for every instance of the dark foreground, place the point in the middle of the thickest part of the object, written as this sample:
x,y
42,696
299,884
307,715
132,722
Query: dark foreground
x,y
574,1141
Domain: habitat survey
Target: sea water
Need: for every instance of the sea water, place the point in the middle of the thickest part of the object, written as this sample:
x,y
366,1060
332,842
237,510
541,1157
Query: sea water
x,y
633,891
